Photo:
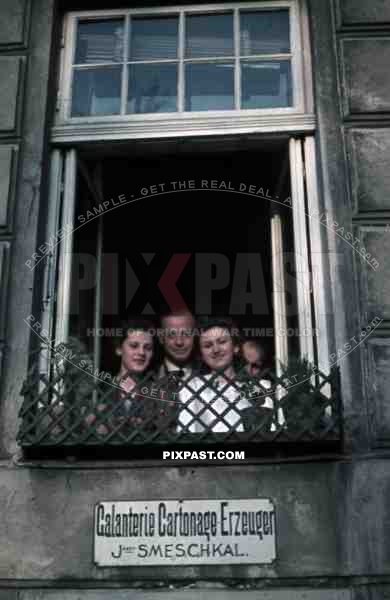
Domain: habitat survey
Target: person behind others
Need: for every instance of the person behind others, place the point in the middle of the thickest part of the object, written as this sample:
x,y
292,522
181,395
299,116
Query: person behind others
x,y
253,354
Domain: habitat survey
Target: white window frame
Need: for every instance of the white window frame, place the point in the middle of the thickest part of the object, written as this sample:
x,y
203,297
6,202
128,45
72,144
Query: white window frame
x,y
299,117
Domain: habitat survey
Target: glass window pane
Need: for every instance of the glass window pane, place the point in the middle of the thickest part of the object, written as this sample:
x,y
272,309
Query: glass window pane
x,y
152,88
99,41
153,38
264,32
209,86
266,84
209,36
96,91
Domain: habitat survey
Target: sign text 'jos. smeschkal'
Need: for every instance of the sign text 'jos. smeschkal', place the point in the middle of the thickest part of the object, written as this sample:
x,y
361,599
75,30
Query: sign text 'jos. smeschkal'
x,y
184,532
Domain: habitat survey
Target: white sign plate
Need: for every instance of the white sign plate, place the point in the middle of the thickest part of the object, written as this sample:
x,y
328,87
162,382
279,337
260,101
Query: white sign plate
x,y
184,532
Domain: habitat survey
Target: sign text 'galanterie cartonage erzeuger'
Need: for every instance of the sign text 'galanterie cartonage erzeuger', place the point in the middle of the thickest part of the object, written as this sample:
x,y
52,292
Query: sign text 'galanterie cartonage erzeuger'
x,y
184,532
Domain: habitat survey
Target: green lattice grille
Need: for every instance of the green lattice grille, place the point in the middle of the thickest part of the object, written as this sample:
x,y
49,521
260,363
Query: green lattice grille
x,y
72,408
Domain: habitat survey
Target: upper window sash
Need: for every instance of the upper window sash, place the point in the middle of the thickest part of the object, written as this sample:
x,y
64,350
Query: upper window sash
x,y
117,69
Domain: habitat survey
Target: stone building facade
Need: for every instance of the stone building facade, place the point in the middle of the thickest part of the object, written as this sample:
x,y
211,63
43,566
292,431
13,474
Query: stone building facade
x,y
332,507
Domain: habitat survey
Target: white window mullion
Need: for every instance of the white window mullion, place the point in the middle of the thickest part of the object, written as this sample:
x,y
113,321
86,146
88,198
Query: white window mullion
x,y
279,308
279,294
304,297
298,88
97,344
125,72
321,308
180,66
306,58
237,69
97,350
68,70
66,248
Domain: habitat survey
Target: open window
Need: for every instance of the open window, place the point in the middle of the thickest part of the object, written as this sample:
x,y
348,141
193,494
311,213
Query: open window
x,y
184,170
224,212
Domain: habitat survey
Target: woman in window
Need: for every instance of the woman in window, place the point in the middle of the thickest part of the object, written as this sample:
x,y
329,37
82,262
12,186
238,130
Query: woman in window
x,y
123,402
216,401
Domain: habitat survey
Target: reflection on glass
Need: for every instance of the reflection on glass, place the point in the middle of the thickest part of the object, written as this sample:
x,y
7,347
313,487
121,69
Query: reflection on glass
x,y
266,84
209,86
264,32
153,38
152,88
99,41
96,91
209,35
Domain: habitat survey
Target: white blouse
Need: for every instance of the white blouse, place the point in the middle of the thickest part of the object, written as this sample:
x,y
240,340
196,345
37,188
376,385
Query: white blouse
x,y
225,399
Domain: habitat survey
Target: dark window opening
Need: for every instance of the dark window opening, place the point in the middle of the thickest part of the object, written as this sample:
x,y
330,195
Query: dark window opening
x,y
199,211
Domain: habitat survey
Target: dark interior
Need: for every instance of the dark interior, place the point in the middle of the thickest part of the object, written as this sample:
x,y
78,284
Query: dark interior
x,y
140,238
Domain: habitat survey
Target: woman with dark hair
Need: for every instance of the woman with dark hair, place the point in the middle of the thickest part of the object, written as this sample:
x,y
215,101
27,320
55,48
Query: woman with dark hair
x,y
136,349
216,400
123,403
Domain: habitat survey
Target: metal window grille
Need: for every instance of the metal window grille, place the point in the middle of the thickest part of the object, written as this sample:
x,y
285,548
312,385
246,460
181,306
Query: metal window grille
x,y
73,407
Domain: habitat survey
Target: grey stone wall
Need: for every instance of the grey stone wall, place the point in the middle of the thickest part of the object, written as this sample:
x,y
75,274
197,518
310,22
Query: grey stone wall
x,y
26,42
363,50
333,516
54,507
357,12
14,25
331,520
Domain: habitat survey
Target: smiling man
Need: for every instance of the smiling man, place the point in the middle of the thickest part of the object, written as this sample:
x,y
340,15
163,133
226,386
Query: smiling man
x,y
176,336
177,341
